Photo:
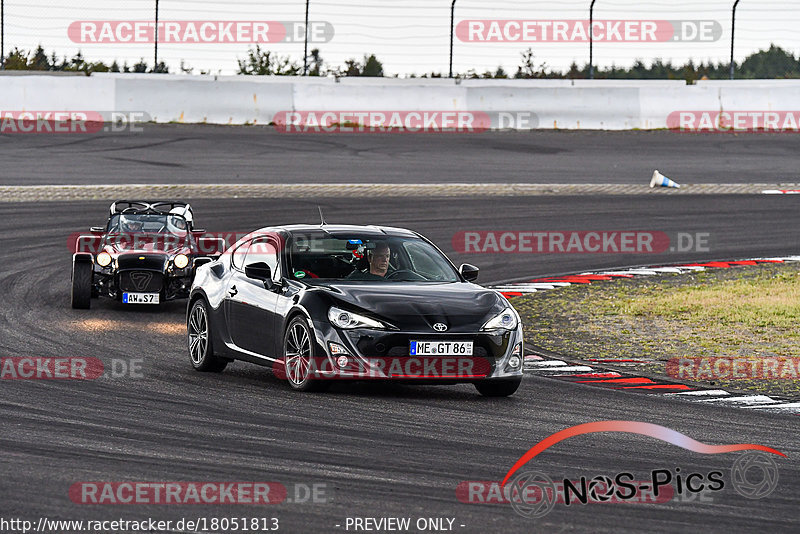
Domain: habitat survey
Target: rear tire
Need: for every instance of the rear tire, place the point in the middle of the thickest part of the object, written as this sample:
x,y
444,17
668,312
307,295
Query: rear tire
x,y
81,294
201,348
298,357
498,388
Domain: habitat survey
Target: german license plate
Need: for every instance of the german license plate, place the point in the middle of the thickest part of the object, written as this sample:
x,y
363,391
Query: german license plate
x,y
441,348
140,298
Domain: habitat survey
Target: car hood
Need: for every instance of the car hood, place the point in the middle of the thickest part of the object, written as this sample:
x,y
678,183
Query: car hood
x,y
460,306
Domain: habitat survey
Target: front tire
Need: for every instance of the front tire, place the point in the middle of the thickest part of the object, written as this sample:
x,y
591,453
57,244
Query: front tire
x,y
298,357
201,348
498,388
81,294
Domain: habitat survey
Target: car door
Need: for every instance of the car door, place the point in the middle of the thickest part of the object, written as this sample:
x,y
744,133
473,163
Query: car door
x,y
251,306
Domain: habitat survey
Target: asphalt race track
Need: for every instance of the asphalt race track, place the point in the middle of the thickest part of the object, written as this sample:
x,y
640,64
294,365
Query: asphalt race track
x,y
380,450
258,154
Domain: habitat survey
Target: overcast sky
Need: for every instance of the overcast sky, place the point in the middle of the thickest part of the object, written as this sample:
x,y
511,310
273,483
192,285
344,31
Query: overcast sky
x,y
408,36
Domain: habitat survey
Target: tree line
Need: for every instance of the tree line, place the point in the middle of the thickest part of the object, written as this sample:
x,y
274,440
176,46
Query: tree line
x,y
774,63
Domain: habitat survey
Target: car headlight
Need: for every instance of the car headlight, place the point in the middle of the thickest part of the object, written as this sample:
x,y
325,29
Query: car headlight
x,y
181,261
505,319
104,259
346,319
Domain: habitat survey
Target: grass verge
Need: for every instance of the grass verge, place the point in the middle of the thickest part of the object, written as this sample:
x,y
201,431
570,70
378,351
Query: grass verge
x,y
747,316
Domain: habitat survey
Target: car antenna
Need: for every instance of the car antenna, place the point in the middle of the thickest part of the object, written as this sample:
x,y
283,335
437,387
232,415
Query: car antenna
x,y
321,217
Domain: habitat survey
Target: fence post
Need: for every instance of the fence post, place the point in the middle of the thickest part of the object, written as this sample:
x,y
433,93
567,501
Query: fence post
x,y
591,41
155,52
452,22
2,35
733,30
305,47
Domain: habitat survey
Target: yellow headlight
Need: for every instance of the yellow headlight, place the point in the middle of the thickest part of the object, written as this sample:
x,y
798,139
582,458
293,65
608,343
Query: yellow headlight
x,y
104,259
181,261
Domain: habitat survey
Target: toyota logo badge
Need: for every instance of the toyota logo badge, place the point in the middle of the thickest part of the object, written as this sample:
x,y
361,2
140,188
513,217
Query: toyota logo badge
x,y
440,327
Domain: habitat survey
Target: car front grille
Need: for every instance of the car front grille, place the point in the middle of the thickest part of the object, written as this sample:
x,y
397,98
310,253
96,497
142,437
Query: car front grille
x,y
141,281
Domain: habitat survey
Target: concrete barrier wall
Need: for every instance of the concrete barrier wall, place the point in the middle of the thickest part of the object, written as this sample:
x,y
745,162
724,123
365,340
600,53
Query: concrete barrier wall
x,y
520,104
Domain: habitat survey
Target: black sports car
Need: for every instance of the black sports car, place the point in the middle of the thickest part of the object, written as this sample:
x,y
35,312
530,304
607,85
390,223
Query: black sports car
x,y
147,253
326,302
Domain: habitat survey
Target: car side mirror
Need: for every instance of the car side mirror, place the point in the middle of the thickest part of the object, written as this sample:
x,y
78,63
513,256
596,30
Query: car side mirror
x,y
260,271
469,272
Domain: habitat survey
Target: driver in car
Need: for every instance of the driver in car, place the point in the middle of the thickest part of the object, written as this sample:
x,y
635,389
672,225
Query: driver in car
x,y
378,259
129,225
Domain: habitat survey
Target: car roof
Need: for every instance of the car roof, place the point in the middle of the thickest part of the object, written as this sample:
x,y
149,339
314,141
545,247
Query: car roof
x,y
339,229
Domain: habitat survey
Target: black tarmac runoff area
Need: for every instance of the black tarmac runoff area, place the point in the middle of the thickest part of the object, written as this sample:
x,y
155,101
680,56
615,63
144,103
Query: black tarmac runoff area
x,y
170,153
362,454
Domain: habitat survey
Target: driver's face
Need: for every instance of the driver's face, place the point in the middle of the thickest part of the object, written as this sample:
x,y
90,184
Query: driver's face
x,y
379,261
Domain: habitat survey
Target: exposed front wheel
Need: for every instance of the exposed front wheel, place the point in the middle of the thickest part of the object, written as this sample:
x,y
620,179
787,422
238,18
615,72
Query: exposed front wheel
x,y
298,357
498,388
81,294
201,349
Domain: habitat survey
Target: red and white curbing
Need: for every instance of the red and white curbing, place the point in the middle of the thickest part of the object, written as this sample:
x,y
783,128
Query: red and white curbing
x,y
589,375
516,289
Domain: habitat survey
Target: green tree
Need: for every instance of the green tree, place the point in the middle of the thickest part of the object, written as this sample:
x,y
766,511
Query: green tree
x,y
16,60
140,67
39,60
316,63
528,68
773,63
161,68
264,62
372,67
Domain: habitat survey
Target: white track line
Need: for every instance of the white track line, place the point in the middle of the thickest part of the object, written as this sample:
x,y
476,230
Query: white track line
x,y
748,400
548,363
569,369
702,393
573,370
789,407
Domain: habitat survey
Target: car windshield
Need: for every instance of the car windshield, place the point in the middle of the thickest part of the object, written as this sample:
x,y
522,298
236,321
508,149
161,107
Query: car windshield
x,y
135,223
320,256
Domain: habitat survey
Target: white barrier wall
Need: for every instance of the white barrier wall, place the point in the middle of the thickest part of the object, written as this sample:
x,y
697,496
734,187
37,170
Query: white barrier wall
x,y
521,104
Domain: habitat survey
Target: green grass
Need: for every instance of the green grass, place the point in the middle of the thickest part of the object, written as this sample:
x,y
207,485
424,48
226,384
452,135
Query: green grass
x,y
747,312
763,302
